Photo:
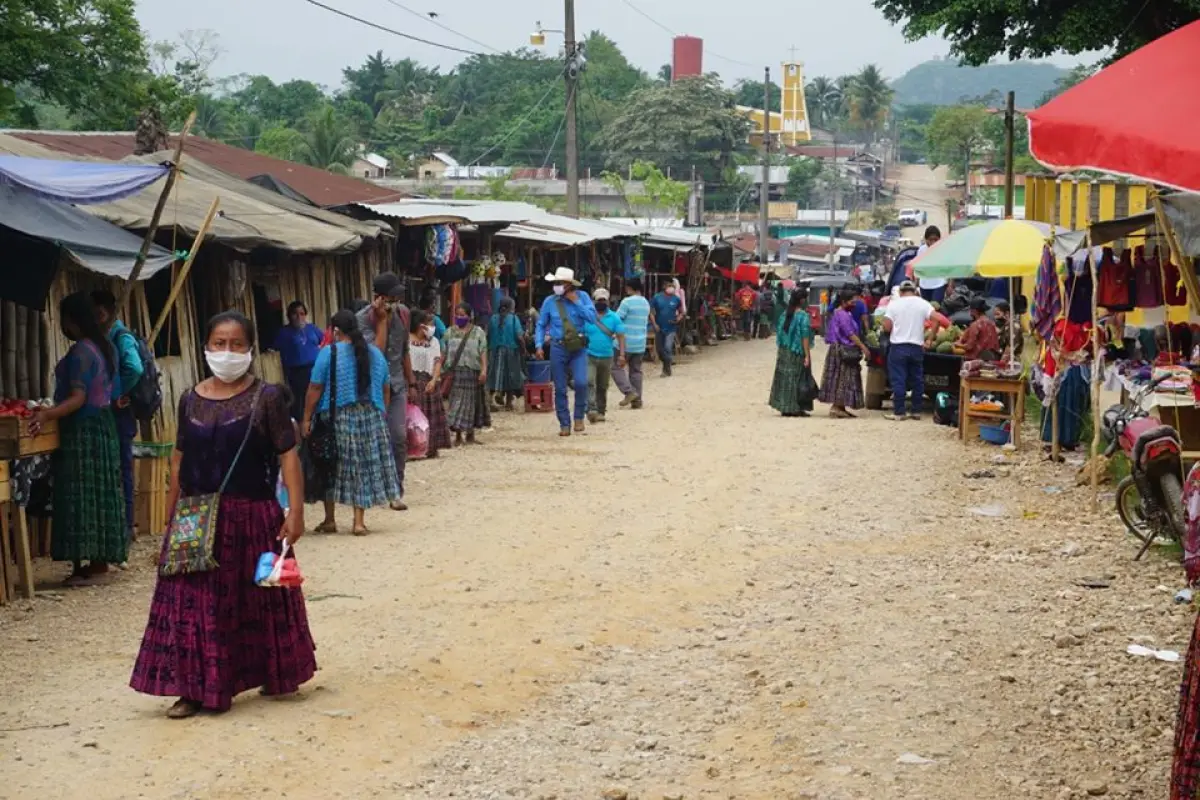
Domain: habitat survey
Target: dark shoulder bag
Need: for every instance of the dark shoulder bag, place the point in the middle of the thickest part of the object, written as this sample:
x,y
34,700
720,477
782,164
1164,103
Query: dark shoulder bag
x,y
572,340
322,439
193,527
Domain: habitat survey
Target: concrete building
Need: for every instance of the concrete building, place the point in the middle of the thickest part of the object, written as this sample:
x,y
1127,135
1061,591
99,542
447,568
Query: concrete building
x,y
595,196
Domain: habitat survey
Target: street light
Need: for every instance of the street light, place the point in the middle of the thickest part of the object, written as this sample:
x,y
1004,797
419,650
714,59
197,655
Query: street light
x,y
572,69
538,37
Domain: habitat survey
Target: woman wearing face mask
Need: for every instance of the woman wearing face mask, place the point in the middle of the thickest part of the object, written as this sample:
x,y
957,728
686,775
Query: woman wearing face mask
x,y
506,378
427,356
357,386
841,384
214,634
465,356
89,509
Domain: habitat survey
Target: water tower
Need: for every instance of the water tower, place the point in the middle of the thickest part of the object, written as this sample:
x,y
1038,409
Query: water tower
x,y
687,59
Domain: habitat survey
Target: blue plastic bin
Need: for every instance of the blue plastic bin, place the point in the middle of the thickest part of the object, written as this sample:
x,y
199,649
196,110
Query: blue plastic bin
x,y
994,434
539,372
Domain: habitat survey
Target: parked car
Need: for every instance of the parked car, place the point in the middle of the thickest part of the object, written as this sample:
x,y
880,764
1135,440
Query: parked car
x,y
891,231
911,217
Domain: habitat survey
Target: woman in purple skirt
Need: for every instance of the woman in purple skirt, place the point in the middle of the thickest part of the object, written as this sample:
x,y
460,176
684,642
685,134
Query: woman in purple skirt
x,y
214,634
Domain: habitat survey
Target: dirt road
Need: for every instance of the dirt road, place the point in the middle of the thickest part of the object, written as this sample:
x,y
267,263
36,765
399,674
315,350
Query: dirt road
x,y
698,600
924,189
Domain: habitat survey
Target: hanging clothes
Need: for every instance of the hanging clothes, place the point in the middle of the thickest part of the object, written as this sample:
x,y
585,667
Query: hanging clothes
x,y
1047,298
1115,291
1079,288
1146,280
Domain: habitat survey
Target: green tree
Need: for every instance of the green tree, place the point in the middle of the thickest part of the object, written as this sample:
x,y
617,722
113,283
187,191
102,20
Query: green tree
x,y
802,180
692,122
980,31
328,142
659,193
86,55
282,142
750,93
1078,74
870,100
365,83
823,99
955,134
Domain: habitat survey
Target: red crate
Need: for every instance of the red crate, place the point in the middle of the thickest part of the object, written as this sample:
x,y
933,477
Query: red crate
x,y
539,397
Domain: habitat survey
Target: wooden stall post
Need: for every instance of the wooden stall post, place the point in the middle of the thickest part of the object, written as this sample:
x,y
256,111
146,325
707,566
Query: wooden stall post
x,y
172,174
1096,364
181,278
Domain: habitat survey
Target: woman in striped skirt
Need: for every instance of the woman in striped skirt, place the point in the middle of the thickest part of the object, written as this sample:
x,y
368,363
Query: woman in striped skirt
x,y
355,393
466,362
427,357
506,376
841,383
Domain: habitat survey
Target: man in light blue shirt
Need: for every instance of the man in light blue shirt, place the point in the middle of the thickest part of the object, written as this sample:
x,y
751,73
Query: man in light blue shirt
x,y
635,316
602,356
568,346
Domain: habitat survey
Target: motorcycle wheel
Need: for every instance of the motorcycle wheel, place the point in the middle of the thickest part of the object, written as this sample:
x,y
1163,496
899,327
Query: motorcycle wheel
x,y
1172,491
1129,507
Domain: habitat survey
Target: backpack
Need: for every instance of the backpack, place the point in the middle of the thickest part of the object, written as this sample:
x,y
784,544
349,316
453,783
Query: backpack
x,y
145,398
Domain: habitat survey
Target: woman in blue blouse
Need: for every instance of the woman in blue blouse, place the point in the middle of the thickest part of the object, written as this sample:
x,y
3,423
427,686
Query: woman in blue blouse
x,y
506,343
355,375
298,343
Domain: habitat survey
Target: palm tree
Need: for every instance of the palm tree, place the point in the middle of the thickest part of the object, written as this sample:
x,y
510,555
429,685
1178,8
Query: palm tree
x,y
870,100
327,143
820,95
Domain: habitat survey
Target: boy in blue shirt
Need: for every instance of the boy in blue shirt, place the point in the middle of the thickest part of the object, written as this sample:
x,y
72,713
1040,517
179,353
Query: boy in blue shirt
x,y
635,316
600,336
666,312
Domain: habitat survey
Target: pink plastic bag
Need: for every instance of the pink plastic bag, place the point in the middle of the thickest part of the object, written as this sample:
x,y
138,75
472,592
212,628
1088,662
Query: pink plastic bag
x,y
418,432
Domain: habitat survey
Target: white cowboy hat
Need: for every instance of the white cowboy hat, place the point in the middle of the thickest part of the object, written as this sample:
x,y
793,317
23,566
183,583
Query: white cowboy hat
x,y
563,275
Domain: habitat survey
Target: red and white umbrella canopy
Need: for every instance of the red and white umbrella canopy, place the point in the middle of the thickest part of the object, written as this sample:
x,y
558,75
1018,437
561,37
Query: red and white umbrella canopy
x,y
1139,117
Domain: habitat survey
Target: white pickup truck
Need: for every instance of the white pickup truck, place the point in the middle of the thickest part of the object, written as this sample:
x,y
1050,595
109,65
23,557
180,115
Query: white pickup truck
x,y
911,217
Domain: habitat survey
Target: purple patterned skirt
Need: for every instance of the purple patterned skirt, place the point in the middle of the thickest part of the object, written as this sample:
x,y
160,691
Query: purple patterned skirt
x,y
213,635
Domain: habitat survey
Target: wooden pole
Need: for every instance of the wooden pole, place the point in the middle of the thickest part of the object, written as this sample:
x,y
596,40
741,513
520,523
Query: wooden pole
x,y
181,278
140,260
1096,364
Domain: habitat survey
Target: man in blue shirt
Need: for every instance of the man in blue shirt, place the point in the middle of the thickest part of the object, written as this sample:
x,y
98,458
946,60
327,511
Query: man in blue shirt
x,y
129,371
601,355
298,343
568,349
635,316
668,311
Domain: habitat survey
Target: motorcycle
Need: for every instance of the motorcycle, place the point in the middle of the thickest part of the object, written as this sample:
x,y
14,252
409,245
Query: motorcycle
x,y
1150,498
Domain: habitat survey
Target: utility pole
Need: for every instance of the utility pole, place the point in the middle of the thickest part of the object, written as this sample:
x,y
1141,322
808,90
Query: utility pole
x,y
571,72
835,179
1010,121
765,187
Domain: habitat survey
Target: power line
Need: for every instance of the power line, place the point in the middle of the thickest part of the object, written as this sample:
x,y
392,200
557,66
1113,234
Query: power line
x,y
561,124
658,24
379,27
443,26
520,123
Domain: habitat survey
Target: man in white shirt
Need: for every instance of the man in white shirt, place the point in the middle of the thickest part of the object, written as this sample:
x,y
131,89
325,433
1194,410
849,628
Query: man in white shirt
x,y
932,288
905,320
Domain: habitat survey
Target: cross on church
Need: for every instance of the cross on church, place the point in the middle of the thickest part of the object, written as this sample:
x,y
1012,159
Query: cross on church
x,y
793,51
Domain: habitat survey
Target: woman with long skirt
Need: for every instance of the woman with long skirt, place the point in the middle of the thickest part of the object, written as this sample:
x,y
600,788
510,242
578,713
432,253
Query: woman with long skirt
x,y
841,383
466,359
354,392
89,505
1185,771
506,376
427,356
794,388
214,634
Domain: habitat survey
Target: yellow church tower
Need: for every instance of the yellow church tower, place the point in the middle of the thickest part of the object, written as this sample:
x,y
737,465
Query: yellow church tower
x,y
794,106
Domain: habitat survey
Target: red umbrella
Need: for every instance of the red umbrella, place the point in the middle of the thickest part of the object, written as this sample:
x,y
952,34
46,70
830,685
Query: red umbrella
x,y
1135,118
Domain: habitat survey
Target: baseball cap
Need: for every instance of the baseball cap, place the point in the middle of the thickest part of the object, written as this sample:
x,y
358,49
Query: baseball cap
x,y
387,285
600,294
907,286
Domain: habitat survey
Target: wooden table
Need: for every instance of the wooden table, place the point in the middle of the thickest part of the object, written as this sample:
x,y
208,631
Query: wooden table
x,y
16,558
1013,389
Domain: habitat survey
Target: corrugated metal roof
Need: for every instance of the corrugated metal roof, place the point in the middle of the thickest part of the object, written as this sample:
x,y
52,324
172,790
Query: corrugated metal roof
x,y
543,236
323,188
429,212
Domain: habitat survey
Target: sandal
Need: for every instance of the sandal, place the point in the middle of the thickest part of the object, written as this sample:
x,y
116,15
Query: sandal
x,y
183,709
363,531
326,527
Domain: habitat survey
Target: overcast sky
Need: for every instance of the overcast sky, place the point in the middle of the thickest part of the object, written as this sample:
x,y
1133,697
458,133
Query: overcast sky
x,y
288,39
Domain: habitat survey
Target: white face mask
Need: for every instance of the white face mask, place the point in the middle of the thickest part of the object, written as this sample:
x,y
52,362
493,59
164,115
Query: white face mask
x,y
228,366
559,289
430,331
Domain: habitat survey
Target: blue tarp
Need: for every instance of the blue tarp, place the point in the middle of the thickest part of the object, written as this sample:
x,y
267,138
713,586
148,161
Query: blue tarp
x,y
82,182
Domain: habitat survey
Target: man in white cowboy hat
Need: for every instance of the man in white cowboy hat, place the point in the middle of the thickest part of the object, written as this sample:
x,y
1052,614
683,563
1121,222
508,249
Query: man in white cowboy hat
x,y
562,325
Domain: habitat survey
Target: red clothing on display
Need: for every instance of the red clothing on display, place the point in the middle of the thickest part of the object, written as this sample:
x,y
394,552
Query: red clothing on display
x,y
1146,280
1074,337
1116,283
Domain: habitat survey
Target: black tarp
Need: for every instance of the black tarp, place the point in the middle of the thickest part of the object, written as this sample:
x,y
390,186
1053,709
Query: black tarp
x,y
268,181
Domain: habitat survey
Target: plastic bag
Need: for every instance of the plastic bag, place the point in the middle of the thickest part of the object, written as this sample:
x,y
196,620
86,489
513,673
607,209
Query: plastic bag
x,y
278,570
417,426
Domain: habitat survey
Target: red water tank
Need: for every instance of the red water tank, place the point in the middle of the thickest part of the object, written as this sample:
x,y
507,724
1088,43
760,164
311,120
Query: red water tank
x,y
688,58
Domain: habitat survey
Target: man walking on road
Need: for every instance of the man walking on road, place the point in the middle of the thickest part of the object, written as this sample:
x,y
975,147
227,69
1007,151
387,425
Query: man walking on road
x,y
385,322
667,311
601,356
635,317
562,323
905,320
746,299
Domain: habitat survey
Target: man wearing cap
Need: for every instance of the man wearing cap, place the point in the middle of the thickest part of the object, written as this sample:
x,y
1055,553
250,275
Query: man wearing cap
x,y
981,339
562,325
385,322
904,321
602,357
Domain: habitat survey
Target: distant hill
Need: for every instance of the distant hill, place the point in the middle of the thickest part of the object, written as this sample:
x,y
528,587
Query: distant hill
x,y
944,82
